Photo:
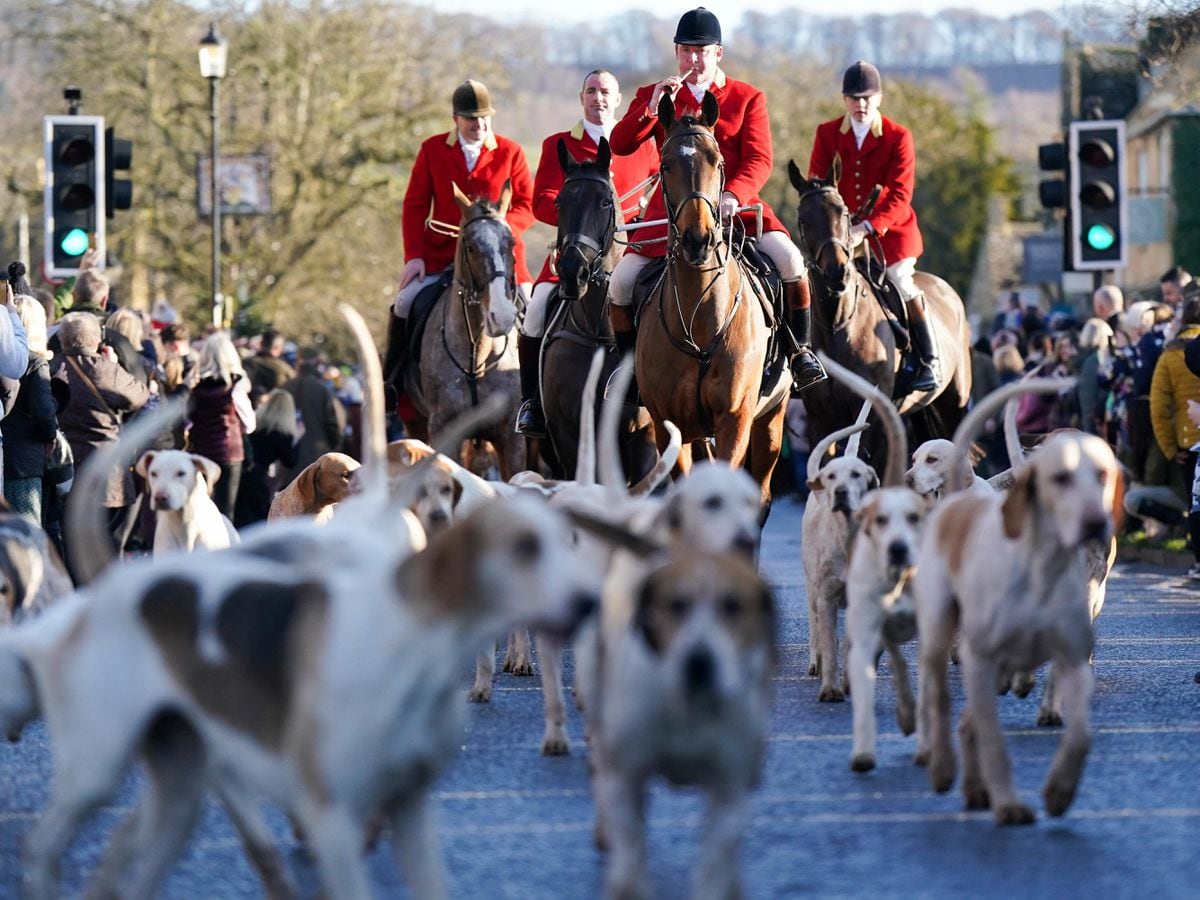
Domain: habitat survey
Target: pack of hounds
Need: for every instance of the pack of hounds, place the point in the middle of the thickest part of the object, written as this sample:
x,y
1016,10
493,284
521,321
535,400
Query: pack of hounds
x,y
321,665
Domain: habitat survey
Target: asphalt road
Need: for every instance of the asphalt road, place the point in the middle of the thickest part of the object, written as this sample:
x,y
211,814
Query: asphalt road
x,y
518,825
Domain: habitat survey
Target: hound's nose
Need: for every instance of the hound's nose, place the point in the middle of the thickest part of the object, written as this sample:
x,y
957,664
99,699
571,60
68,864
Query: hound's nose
x,y
746,544
699,671
841,500
897,553
583,605
438,517
910,479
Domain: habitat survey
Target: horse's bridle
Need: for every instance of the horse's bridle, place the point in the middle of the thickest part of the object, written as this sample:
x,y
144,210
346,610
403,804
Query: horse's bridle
x,y
713,205
575,240
470,290
838,243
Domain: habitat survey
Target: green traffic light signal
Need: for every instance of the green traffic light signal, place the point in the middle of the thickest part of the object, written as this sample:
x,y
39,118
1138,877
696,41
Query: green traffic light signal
x,y
74,242
1100,237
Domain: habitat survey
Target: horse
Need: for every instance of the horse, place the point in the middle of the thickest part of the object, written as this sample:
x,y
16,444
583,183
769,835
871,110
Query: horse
x,y
852,327
702,339
589,212
469,347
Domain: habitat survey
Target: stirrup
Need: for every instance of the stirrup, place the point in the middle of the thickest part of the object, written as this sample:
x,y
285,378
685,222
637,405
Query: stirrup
x,y
806,371
927,377
531,421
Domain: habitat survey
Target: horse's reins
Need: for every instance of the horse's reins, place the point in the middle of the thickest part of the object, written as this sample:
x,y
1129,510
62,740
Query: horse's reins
x,y
468,295
688,346
596,274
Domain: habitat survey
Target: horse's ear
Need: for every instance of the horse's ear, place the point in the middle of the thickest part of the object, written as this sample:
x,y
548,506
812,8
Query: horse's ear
x,y
798,180
666,110
603,156
463,201
835,170
565,159
505,197
710,110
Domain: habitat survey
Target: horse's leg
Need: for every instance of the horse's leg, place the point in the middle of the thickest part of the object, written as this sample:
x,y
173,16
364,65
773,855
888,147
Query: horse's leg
x,y
683,464
733,437
510,452
417,429
766,442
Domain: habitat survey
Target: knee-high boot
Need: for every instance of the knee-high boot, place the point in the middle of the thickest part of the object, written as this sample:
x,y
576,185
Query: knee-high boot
x,y
396,354
531,421
625,335
929,370
806,368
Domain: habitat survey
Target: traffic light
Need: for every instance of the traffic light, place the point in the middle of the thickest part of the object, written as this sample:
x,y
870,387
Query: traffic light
x,y
75,197
1099,205
1053,191
118,156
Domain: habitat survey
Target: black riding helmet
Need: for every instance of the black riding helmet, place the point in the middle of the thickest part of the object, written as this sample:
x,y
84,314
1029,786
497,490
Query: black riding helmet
x,y
698,27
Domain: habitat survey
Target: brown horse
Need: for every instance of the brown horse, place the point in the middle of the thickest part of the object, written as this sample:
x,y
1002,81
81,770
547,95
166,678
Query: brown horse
x,y
469,349
851,326
702,339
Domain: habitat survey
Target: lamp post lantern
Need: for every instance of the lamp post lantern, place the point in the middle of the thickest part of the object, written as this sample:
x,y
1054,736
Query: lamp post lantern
x,y
212,67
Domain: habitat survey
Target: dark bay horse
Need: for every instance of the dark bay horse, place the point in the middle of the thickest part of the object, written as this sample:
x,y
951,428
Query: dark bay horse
x,y
589,212
469,349
702,339
851,326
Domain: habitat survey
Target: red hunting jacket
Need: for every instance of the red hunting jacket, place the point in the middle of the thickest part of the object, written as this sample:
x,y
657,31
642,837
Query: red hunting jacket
x,y
627,173
440,163
743,134
887,158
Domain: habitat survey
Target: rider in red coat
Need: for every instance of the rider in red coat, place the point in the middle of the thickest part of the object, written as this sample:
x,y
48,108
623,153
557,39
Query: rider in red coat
x,y
600,98
479,161
875,150
743,133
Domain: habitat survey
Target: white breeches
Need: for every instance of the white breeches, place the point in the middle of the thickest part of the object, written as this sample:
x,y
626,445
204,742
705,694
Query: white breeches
x,y
535,313
775,244
901,274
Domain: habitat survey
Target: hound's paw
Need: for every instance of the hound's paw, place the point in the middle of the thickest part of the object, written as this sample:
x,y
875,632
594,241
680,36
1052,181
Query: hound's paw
x,y
975,796
1015,814
862,762
1058,796
813,668
906,718
941,773
518,665
921,757
480,693
831,695
1048,718
599,838
555,743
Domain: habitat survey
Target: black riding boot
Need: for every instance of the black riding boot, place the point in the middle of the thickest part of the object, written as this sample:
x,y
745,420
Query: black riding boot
x,y
625,336
531,421
397,351
929,370
806,368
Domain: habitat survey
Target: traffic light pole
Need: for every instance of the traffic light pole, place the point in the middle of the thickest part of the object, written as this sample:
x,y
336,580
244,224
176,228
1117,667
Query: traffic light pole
x,y
218,301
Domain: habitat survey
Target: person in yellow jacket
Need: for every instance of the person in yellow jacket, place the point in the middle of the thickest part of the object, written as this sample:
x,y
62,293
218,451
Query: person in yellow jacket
x,y
1174,385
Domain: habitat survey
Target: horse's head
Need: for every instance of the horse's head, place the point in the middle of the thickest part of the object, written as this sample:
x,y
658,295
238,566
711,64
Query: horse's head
x,y
693,176
485,265
587,220
824,222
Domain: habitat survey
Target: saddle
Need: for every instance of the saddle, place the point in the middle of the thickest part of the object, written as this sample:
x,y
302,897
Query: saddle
x,y
418,318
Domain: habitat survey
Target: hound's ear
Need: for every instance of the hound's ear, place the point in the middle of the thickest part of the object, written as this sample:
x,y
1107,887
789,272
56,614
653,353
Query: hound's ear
x,y
458,492
835,170
1114,494
669,516
966,474
463,201
710,110
603,156
865,513
209,469
305,485
612,533
799,182
505,197
1018,505
872,479
666,111
816,484
641,616
565,159
143,464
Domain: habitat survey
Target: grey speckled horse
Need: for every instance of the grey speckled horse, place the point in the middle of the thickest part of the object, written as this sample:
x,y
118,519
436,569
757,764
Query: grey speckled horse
x,y
469,349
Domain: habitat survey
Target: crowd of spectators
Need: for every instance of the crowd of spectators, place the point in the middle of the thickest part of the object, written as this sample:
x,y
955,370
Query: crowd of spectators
x,y
260,408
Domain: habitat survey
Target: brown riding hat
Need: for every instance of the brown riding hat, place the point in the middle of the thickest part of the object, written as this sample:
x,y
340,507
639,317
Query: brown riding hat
x,y
471,100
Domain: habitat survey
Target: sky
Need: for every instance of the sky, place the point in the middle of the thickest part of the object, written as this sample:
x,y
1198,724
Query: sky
x,y
556,10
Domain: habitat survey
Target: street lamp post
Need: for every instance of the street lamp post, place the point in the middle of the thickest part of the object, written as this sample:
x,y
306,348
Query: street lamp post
x,y
212,67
